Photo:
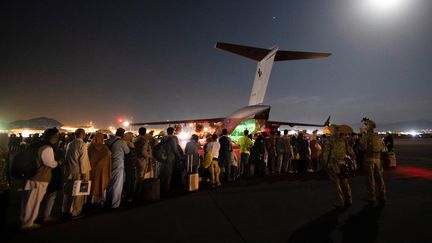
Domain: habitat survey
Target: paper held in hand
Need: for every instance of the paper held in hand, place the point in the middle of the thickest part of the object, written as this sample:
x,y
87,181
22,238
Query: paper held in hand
x,y
81,188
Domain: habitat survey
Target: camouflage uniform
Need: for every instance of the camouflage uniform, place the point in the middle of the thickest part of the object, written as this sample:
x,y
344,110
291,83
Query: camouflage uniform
x,y
372,163
334,153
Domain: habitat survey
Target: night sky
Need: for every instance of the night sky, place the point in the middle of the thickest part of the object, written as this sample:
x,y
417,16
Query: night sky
x,y
80,61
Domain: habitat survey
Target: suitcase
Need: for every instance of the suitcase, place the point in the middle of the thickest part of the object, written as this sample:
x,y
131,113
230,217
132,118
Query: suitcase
x,y
191,182
251,169
391,159
150,189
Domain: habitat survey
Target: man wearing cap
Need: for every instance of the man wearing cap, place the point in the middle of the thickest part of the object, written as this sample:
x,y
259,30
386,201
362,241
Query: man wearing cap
x,y
334,154
119,149
372,145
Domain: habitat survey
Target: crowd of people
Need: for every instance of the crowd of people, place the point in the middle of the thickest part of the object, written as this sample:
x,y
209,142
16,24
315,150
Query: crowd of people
x,y
117,166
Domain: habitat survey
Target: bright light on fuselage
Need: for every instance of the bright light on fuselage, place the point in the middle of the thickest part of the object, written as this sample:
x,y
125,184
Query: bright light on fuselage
x,y
183,136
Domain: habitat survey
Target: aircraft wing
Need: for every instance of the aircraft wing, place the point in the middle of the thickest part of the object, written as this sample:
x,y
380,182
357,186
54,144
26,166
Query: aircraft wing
x,y
210,120
292,124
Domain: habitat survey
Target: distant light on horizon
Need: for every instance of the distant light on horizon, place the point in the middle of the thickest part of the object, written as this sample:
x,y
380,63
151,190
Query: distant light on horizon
x,y
413,133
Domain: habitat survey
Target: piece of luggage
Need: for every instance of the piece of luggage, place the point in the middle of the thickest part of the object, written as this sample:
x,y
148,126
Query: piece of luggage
x,y
391,159
150,189
26,163
191,182
251,169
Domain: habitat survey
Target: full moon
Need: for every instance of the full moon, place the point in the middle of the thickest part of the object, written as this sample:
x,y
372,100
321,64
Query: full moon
x,y
386,4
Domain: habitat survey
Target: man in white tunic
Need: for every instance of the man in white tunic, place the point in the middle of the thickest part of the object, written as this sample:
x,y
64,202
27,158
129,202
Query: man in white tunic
x,y
35,188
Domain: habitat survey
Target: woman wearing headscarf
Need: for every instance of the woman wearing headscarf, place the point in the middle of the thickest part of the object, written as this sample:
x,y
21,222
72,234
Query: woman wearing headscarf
x,y
130,165
100,161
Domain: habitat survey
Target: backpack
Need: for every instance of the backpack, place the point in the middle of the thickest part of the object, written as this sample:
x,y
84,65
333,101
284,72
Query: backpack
x,y
26,163
110,146
374,145
160,151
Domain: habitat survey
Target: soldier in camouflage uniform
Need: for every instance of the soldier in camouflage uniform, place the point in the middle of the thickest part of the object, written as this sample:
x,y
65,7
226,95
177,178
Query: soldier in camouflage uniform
x,y
372,145
334,154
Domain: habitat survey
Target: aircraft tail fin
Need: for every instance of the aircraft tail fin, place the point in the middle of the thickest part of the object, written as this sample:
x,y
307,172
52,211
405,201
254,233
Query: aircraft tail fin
x,y
265,58
262,76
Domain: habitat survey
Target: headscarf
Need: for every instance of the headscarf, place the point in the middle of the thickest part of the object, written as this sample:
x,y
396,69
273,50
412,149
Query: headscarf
x,y
128,137
98,140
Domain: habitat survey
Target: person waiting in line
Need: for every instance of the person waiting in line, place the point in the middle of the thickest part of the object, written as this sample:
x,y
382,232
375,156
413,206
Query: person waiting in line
x,y
35,188
270,144
77,167
213,147
130,164
55,185
287,155
144,152
389,142
295,154
280,151
316,149
245,144
173,154
119,149
225,154
304,153
257,154
192,152
100,175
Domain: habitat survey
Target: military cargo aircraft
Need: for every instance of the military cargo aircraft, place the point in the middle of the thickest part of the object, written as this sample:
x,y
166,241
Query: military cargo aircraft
x,y
254,116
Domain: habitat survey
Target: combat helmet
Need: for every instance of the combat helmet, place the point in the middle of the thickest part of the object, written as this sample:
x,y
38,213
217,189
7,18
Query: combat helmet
x,y
369,123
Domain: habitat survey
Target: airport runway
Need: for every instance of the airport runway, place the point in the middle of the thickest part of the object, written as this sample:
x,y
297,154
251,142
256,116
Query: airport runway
x,y
276,209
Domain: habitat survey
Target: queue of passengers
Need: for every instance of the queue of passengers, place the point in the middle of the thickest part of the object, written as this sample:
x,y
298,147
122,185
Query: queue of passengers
x,y
116,166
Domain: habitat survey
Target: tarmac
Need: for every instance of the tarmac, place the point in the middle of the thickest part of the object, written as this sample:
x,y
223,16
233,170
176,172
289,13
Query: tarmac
x,y
273,209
